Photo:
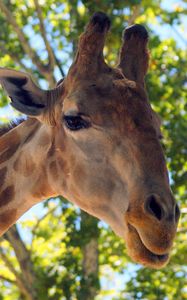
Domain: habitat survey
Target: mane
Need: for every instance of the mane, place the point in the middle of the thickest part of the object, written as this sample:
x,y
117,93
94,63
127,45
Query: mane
x,y
4,128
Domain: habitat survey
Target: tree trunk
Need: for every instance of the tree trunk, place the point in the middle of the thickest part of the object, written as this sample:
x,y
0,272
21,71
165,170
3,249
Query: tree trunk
x,y
27,280
90,276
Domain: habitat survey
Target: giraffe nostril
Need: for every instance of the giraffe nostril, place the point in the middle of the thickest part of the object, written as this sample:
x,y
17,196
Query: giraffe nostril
x,y
154,207
177,213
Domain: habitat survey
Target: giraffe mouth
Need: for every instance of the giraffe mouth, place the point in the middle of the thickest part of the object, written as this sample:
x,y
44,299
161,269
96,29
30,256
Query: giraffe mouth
x,y
141,253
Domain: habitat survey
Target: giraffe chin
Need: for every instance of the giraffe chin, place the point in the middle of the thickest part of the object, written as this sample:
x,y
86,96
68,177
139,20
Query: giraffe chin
x,y
140,253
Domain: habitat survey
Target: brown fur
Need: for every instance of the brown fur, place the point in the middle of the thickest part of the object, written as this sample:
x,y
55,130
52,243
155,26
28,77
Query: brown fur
x,y
31,122
7,127
42,187
44,140
31,135
54,170
24,165
7,219
6,195
3,173
9,152
52,149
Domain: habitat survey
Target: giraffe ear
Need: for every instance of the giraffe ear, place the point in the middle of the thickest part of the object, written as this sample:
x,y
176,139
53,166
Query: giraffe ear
x,y
25,95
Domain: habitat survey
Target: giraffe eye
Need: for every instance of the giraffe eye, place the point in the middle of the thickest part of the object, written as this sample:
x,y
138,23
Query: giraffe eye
x,y
76,123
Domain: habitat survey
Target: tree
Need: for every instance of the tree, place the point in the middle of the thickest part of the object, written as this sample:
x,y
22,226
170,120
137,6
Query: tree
x,y
54,263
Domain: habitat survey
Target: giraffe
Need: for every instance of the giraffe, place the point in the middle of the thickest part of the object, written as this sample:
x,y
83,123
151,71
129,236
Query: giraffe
x,y
94,139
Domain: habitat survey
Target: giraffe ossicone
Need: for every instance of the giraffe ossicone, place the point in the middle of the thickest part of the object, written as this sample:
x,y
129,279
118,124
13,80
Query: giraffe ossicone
x,y
95,140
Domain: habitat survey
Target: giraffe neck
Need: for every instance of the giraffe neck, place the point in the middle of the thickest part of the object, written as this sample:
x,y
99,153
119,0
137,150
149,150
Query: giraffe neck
x,y
25,155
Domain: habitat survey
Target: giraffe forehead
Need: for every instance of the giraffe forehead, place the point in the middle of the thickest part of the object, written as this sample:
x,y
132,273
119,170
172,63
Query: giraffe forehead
x,y
122,111
123,99
109,94
93,99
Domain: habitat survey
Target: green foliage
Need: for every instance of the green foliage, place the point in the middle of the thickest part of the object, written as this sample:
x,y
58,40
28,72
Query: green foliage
x,y
57,239
168,284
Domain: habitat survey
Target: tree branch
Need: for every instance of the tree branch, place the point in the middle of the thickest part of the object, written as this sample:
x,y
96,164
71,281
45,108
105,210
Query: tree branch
x,y
23,257
7,279
181,230
22,254
52,57
15,58
18,277
49,49
39,221
43,69
50,211
134,15
28,50
59,66
8,263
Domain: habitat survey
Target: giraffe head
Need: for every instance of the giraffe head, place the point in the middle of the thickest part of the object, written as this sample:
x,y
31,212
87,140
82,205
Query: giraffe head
x,y
106,140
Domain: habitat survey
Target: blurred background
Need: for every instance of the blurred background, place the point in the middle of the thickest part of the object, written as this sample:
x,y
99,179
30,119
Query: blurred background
x,y
45,256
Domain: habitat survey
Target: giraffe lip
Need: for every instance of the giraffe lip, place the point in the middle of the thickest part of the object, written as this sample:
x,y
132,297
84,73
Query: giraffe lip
x,y
152,258
160,257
